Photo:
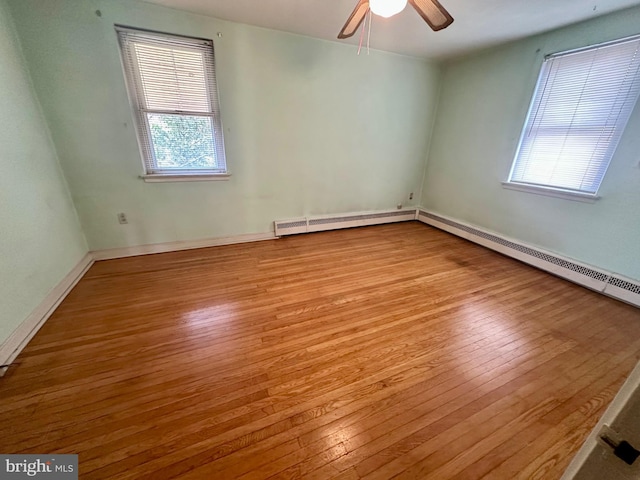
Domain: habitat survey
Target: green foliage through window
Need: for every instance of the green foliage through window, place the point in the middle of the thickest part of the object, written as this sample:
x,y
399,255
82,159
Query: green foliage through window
x,y
182,141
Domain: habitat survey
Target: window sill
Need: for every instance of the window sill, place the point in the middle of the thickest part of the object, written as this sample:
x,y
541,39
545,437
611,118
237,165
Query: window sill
x,y
185,177
552,192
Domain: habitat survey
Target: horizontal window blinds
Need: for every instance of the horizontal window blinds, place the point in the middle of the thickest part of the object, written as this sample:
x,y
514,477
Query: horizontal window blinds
x,y
172,83
172,78
580,109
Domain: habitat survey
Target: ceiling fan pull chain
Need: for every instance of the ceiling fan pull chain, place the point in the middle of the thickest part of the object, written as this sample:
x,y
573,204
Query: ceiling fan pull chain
x,y
364,24
369,35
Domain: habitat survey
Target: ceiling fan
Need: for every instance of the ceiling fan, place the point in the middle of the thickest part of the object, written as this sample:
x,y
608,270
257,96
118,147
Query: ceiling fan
x,y
430,10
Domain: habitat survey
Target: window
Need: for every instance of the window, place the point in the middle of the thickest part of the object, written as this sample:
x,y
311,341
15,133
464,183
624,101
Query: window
x,y
172,86
581,106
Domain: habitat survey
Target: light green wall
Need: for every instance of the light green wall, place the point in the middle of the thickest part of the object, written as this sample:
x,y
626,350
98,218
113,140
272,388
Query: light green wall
x,y
310,127
481,111
40,238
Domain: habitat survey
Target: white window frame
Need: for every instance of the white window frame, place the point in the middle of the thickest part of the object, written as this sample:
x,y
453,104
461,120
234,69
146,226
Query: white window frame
x,y
559,191
152,171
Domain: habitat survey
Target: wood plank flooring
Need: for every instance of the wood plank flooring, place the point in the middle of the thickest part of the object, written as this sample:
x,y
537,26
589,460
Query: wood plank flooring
x,y
372,353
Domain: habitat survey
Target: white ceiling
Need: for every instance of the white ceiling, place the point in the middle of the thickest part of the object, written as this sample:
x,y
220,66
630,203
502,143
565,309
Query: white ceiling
x,y
478,23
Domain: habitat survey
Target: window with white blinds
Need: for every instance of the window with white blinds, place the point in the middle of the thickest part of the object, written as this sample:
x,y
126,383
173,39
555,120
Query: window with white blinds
x,y
172,85
579,111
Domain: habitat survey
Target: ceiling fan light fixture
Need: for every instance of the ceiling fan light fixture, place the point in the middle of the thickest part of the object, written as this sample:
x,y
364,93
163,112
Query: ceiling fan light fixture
x,y
436,16
387,8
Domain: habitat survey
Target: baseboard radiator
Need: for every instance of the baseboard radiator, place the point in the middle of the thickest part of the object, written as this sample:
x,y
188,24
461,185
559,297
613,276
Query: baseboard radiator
x,y
338,221
609,283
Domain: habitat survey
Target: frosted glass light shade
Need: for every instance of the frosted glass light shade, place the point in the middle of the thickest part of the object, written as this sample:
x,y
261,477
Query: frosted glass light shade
x,y
387,8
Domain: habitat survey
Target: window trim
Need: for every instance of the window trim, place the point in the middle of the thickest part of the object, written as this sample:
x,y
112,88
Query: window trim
x,y
564,53
151,171
549,190
552,192
184,177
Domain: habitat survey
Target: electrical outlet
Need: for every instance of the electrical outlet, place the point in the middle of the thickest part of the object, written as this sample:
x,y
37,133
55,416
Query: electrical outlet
x,y
122,218
399,206
411,196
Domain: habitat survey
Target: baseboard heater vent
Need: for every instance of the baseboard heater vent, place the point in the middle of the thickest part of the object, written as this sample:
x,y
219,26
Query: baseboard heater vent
x,y
334,222
605,282
624,290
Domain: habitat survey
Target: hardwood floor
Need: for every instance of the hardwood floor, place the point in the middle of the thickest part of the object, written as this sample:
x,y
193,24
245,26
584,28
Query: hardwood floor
x,y
377,352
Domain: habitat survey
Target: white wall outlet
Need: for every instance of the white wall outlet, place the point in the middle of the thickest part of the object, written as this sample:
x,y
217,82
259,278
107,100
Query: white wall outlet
x,y
399,206
122,218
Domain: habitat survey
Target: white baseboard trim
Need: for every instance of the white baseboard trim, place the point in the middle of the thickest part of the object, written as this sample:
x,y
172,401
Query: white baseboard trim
x,y
114,253
21,336
594,278
611,284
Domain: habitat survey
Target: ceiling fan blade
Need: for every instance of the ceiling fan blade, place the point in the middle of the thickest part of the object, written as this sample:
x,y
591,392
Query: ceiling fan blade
x,y
433,13
355,19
